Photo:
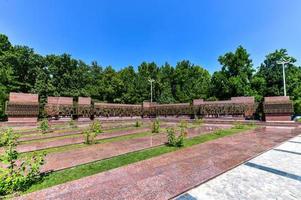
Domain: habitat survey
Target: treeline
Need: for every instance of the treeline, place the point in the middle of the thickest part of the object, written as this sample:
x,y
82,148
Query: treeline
x,y
24,70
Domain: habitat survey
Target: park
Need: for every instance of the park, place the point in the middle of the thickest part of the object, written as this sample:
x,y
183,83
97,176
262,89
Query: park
x,y
150,100
82,138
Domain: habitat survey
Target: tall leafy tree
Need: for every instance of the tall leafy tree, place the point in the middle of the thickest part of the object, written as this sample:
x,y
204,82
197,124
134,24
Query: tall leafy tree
x,y
128,78
146,71
191,82
271,72
166,89
7,78
235,76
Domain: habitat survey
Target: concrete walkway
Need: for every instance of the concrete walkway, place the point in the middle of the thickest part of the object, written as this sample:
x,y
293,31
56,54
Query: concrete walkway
x,y
275,174
169,175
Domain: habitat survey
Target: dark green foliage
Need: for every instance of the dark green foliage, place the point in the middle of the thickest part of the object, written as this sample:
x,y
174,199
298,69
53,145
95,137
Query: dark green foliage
x,y
24,70
235,76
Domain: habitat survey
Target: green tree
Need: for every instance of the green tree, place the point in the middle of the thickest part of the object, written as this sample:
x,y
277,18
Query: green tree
x,y
166,84
235,76
146,71
191,82
128,78
271,72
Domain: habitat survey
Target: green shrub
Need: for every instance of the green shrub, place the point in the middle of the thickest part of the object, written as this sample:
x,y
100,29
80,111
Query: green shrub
x,y
156,126
72,124
174,141
6,136
44,126
95,127
180,140
238,125
198,121
19,176
299,120
89,136
91,133
183,124
171,136
138,123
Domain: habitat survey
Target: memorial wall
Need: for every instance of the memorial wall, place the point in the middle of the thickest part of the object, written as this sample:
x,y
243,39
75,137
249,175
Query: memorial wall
x,y
26,107
22,107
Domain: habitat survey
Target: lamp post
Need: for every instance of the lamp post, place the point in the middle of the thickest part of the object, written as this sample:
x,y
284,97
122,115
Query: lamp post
x,y
151,92
283,63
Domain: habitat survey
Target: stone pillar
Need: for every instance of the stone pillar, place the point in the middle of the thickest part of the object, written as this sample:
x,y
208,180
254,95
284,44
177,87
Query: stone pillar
x,y
149,109
22,107
84,109
278,108
60,108
248,102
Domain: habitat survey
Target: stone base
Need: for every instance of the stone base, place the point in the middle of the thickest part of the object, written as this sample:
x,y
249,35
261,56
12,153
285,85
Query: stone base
x,y
278,118
22,119
83,119
117,118
65,119
174,117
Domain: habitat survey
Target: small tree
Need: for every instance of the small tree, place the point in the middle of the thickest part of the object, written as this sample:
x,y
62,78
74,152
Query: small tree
x,y
89,137
171,136
18,177
91,133
6,136
156,126
238,125
72,124
44,126
174,141
183,128
96,127
137,123
198,121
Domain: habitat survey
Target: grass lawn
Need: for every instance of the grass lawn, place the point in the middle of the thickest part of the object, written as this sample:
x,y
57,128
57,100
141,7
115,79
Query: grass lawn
x,y
80,145
81,171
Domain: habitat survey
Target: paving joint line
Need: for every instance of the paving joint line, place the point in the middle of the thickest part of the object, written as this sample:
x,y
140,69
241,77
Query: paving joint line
x,y
295,142
285,151
274,171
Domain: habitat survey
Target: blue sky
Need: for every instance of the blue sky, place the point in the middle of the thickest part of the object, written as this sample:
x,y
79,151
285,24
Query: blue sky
x,y
127,32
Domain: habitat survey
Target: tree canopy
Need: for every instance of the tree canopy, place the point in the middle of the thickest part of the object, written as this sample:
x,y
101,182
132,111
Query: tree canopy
x,y
24,70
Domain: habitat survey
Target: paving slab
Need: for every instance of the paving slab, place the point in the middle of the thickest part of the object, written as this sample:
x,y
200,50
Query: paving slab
x,y
169,175
57,142
273,175
74,157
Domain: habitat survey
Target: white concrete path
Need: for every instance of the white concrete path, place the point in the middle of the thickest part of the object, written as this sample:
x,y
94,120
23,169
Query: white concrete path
x,y
275,174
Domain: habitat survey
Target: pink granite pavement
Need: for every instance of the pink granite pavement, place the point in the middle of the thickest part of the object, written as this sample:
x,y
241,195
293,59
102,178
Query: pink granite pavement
x,y
77,139
168,175
74,157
